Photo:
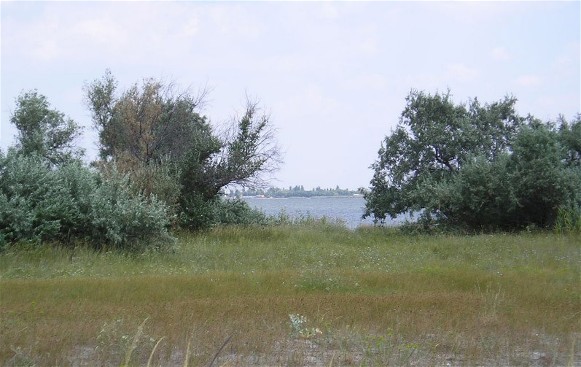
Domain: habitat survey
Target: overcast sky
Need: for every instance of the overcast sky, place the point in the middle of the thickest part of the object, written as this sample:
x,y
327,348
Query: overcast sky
x,y
332,75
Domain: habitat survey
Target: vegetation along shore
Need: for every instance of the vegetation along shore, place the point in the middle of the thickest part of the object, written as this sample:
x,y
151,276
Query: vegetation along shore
x,y
138,258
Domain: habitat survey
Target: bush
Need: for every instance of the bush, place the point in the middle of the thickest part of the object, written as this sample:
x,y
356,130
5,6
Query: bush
x,y
71,202
473,167
542,183
153,179
160,180
196,212
123,219
238,212
78,183
32,200
199,213
514,191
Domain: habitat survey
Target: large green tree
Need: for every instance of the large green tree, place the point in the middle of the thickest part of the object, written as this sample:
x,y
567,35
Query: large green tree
x,y
151,124
44,131
570,135
471,165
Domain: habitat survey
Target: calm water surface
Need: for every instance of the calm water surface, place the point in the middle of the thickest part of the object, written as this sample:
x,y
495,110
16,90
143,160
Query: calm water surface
x,y
347,209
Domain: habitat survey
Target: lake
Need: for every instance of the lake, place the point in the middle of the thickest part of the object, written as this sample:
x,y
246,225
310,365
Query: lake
x,y
348,209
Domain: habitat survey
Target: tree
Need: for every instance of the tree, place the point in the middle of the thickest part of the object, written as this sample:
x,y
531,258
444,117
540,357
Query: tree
x,y
541,175
245,152
570,135
249,149
44,131
434,139
152,124
146,123
472,166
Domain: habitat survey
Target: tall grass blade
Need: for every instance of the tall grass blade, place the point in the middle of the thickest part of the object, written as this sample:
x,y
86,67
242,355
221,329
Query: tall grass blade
x,y
153,351
220,350
134,342
332,359
571,362
187,358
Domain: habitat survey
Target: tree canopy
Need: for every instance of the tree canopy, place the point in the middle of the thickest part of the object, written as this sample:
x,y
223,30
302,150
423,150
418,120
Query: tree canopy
x,y
151,124
44,131
474,166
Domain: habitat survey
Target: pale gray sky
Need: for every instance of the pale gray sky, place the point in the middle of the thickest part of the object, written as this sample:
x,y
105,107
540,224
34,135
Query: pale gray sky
x,y
332,75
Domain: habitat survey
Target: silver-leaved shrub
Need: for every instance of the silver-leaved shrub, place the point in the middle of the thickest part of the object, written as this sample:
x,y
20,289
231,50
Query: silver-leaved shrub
x,y
43,203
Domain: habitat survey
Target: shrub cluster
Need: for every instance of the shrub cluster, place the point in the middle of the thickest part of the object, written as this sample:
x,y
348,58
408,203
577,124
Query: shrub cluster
x,y
473,167
160,165
528,187
199,213
72,202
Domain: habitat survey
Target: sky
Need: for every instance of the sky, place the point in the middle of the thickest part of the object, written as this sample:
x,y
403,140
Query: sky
x,y
332,76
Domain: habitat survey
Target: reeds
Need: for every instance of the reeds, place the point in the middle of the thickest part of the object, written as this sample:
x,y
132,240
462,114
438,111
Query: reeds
x,y
568,220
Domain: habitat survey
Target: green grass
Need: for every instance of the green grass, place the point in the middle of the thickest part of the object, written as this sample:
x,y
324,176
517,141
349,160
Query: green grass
x,y
378,297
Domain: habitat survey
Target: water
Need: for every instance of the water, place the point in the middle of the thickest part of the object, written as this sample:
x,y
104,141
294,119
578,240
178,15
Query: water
x,y
347,209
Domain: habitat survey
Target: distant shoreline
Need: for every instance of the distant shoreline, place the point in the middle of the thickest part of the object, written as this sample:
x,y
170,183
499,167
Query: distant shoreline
x,y
294,192
298,197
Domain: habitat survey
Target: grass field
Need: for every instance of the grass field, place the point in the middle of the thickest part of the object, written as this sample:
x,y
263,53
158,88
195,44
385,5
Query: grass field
x,y
316,295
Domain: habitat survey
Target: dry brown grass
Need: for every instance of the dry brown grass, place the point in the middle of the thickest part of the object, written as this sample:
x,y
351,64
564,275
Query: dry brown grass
x,y
436,313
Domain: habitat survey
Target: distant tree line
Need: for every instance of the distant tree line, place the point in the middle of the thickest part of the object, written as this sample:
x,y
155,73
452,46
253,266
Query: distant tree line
x,y
296,191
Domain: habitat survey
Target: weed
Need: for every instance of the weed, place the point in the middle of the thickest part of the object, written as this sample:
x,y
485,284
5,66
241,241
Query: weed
x,y
299,327
491,299
134,343
568,220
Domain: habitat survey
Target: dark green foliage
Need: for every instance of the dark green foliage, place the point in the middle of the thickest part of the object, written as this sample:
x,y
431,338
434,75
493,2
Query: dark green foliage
x,y
433,141
542,183
238,212
213,163
200,213
475,168
150,126
199,171
570,138
478,197
44,131
197,212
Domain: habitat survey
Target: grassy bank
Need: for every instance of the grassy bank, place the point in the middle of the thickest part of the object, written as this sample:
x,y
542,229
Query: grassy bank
x,y
368,297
